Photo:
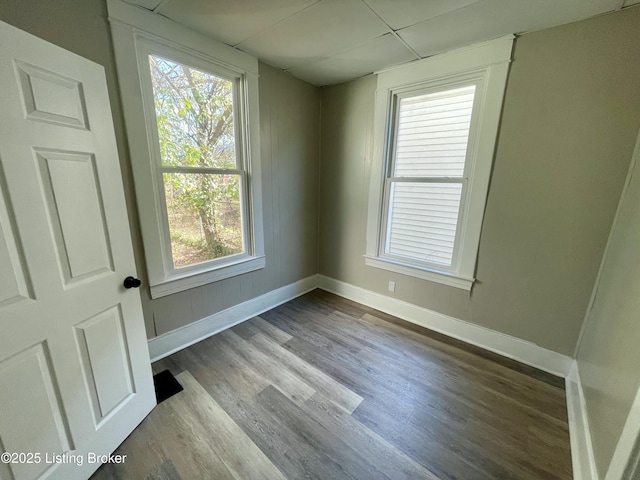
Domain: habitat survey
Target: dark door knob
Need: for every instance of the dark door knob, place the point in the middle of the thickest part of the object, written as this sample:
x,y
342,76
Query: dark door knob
x,y
131,282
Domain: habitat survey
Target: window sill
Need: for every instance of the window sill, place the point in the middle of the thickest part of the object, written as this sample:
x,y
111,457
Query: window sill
x,y
197,279
445,278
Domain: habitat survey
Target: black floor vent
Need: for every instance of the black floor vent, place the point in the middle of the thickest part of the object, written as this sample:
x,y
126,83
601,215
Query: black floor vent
x,y
166,385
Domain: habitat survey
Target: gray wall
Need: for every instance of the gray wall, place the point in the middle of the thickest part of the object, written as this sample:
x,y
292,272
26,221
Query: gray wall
x,y
289,118
609,353
571,115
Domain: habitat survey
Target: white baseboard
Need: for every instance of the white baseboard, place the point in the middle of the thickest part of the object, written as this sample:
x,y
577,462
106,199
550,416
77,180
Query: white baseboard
x,y
171,342
500,343
505,345
584,465
625,463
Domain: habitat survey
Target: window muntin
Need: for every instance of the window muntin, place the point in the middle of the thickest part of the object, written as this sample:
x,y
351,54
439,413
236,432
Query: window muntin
x,y
201,172
426,179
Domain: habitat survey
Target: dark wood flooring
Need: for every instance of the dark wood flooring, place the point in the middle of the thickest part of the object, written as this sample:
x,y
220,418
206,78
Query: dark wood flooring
x,y
322,387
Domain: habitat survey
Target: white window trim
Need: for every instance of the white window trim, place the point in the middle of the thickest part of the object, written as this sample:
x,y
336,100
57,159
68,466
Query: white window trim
x,y
137,33
487,65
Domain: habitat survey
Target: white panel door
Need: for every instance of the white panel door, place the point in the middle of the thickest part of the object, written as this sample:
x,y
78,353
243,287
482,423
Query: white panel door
x,y
75,376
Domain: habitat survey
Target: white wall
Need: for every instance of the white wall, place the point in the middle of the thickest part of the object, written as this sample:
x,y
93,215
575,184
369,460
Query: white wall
x,y
609,353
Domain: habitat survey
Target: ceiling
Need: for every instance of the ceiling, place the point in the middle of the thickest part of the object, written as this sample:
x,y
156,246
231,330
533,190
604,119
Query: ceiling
x,y
325,42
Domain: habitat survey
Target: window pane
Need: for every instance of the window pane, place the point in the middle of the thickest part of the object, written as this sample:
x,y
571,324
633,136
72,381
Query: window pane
x,y
423,218
432,134
194,113
205,217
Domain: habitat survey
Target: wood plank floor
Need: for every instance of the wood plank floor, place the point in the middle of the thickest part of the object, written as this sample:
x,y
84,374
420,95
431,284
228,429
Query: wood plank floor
x,y
322,387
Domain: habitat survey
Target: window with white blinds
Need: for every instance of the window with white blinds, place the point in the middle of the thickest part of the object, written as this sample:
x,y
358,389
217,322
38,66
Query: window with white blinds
x,y
427,178
435,127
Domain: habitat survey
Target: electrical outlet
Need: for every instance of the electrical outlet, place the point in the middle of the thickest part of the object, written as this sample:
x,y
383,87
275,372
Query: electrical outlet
x,y
392,286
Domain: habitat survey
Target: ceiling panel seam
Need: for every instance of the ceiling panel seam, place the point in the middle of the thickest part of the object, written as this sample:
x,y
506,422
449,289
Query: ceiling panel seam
x,y
273,25
392,31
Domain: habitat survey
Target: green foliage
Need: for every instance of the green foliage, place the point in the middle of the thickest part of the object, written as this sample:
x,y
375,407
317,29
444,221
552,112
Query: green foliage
x,y
194,113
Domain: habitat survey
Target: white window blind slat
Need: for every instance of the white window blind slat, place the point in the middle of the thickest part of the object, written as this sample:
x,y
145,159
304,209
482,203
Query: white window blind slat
x,y
425,149
432,111
461,112
436,172
431,222
425,199
441,98
437,129
434,256
437,121
429,200
405,225
443,105
441,240
452,137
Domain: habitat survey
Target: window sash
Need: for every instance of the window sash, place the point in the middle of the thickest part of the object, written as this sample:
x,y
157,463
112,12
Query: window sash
x,y
436,142
236,81
160,169
386,216
168,259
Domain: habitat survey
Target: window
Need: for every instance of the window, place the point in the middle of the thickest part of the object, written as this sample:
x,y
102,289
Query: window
x,y
436,124
427,177
202,176
191,113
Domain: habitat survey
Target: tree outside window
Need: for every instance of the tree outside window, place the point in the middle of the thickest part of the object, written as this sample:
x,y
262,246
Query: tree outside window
x,y
202,182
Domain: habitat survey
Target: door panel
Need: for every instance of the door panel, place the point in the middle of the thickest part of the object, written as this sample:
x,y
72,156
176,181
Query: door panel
x,y
105,361
15,284
76,214
75,375
43,422
50,97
